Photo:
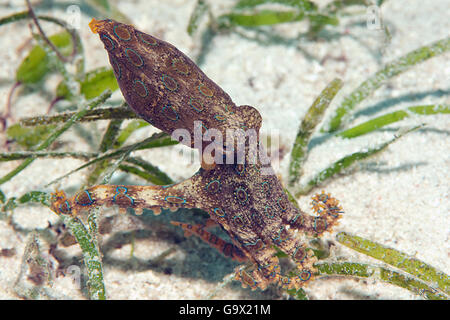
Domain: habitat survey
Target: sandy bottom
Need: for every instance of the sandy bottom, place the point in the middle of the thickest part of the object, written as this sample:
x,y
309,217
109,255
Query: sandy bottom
x,y
399,199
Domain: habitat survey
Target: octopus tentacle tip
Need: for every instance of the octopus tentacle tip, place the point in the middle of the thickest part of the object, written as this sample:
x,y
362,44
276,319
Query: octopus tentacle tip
x,y
95,25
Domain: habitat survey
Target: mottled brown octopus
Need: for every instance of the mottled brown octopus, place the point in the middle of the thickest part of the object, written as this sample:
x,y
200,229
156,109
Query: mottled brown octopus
x,y
167,89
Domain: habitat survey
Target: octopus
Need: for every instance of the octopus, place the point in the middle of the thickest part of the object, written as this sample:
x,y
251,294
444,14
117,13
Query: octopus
x,y
240,191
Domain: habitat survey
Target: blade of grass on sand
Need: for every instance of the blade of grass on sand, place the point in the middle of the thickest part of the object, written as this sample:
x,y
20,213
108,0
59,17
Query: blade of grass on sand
x,y
142,174
102,173
91,115
304,5
266,17
28,137
395,258
392,117
319,21
93,84
57,132
77,49
261,18
159,175
201,7
310,121
128,130
339,5
107,142
91,256
107,174
392,69
33,196
113,140
347,161
36,65
361,270
10,156
157,140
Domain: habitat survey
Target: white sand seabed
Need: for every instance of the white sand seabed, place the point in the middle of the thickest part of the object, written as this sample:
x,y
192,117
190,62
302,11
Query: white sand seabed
x,y
399,199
